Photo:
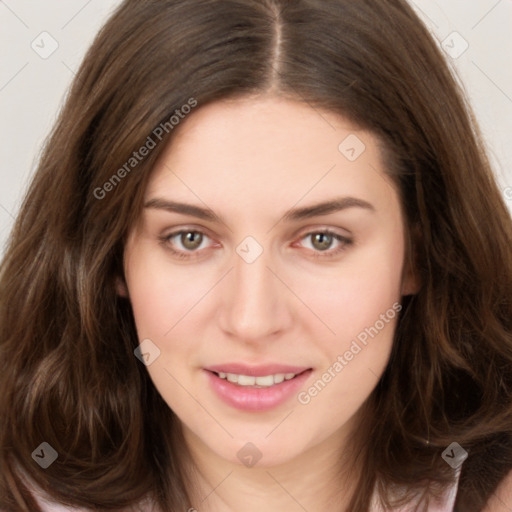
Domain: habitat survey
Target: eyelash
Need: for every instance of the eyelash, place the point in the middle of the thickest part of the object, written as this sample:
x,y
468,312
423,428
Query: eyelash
x,y
328,253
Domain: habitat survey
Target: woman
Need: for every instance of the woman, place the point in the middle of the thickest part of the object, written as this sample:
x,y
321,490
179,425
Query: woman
x,y
263,263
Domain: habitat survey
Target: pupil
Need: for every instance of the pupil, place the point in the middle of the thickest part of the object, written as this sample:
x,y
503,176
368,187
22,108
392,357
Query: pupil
x,y
322,241
191,240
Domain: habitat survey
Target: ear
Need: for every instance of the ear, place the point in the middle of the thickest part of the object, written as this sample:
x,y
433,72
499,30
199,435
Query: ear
x,y
121,288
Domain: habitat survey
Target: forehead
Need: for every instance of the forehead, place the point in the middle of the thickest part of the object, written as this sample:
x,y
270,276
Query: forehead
x,y
264,150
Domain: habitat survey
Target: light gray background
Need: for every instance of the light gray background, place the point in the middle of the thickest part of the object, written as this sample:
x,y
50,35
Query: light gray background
x,y
32,88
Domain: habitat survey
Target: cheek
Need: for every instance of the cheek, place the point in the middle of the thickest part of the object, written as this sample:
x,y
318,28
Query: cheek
x,y
354,295
160,295
150,302
360,302
354,358
160,300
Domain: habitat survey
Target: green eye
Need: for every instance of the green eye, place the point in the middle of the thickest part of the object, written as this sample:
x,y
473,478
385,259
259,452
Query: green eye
x,y
321,241
191,240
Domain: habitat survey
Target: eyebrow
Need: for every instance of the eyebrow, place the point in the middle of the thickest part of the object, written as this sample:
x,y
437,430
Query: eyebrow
x,y
294,214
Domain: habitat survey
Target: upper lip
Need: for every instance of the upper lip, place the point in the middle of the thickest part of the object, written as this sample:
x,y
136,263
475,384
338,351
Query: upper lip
x,y
257,370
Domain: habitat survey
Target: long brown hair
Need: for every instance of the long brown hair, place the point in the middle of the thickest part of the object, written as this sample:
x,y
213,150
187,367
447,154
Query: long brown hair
x,y
68,375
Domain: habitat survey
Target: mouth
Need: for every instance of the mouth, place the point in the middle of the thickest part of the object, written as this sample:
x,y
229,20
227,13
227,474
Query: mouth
x,y
257,382
261,391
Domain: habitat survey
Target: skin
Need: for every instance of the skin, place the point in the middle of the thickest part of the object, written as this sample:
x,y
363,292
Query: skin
x,y
249,161
501,499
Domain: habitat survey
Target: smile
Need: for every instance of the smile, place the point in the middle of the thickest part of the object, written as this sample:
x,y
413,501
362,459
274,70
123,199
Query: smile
x,y
256,393
259,382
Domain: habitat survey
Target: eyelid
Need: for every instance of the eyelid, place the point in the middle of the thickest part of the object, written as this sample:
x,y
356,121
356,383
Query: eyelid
x,y
322,228
186,229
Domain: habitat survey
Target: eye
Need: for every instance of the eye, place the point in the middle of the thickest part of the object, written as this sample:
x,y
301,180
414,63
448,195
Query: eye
x,y
190,240
325,243
185,243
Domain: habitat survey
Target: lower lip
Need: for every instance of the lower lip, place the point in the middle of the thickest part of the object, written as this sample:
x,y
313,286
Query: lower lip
x,y
256,399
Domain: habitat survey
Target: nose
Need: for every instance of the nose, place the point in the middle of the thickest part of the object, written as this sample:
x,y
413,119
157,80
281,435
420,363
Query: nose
x,y
255,305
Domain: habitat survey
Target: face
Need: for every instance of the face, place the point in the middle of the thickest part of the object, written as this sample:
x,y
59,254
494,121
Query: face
x,y
266,276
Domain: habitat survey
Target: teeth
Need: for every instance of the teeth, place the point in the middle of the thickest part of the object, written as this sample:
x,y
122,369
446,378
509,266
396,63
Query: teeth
x,y
245,380
267,380
264,381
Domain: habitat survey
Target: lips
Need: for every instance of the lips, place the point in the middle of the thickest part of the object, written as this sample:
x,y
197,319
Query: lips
x,y
256,398
256,371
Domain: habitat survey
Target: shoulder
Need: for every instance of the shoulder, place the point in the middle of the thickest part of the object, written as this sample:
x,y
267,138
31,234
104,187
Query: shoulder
x,y
501,499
